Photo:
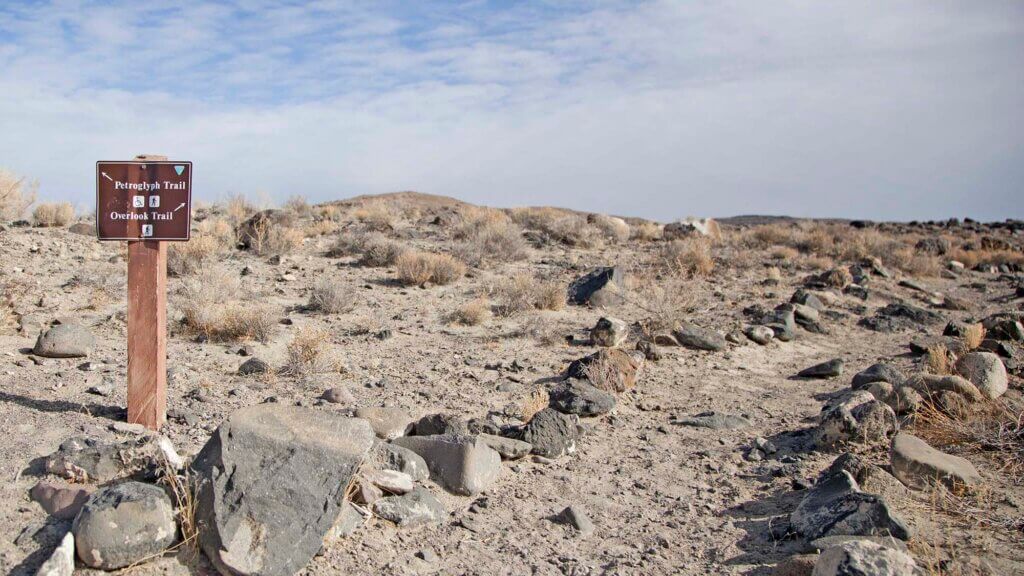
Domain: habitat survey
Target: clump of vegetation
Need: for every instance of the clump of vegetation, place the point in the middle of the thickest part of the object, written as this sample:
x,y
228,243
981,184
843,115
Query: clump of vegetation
x,y
53,214
939,361
645,231
614,230
185,258
208,311
16,195
973,336
297,205
270,239
377,216
560,226
309,353
330,298
417,268
373,249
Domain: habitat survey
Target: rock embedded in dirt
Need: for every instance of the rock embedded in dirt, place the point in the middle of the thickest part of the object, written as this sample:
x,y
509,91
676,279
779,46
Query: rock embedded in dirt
x,y
715,421
507,448
609,332
986,371
253,366
390,481
863,558
338,395
807,298
65,341
349,520
826,542
387,423
416,508
257,516
918,465
59,499
62,560
124,524
898,316
462,464
599,285
693,336
578,397
760,334
931,385
836,506
829,369
83,459
440,423
878,373
551,433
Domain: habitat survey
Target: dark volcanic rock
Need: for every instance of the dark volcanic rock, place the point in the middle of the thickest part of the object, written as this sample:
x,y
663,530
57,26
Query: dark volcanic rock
x,y
899,316
551,433
584,288
829,369
579,397
693,336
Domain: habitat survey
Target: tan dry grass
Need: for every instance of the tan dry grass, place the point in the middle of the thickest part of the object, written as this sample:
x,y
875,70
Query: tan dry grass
x,y
330,298
53,214
208,310
16,195
690,257
309,352
473,313
420,268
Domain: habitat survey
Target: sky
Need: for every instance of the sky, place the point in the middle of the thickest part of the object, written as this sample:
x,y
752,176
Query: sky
x,y
881,109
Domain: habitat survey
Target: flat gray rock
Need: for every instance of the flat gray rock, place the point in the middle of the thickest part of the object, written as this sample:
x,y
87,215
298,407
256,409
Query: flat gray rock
x,y
387,456
62,560
693,336
829,369
836,506
507,448
271,484
124,524
65,341
878,373
551,433
864,558
575,396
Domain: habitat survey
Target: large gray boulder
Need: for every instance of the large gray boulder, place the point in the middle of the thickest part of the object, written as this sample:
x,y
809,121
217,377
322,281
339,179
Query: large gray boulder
x,y
919,466
986,371
463,464
864,558
836,506
272,481
857,417
878,373
124,524
551,433
65,341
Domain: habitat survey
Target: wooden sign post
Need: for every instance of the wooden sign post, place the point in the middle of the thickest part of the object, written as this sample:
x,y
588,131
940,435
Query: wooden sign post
x,y
146,202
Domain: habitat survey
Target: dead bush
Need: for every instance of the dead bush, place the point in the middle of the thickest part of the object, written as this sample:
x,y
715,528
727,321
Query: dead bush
x,y
270,239
513,295
973,258
238,209
473,313
490,239
309,353
645,231
330,298
939,361
53,214
185,258
993,430
973,336
298,206
690,257
614,230
550,296
16,195
784,253
376,216
818,262
419,268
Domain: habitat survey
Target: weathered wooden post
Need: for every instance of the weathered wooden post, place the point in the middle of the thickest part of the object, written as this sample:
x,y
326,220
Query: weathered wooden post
x,y
147,202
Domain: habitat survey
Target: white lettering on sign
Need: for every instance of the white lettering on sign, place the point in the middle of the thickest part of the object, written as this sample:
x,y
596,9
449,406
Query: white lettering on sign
x,y
141,186
168,215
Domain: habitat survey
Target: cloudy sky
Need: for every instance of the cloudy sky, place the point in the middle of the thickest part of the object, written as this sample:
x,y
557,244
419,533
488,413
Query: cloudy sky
x,y
879,109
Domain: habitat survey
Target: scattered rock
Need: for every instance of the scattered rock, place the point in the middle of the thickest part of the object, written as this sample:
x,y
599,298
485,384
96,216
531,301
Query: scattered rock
x,y
271,482
863,558
390,481
986,371
59,499
441,423
338,395
609,369
715,421
579,397
609,332
692,336
692,227
898,316
124,524
104,388
349,520
82,459
551,433
65,341
829,369
918,465
387,456
387,423
461,464
416,508
857,417
930,385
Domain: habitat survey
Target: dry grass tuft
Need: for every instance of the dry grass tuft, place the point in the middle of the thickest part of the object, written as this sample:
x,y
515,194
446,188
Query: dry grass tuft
x,y
183,490
184,258
473,313
522,292
535,401
269,239
330,298
420,268
994,429
16,195
377,216
238,209
549,296
488,236
309,353
298,206
614,230
645,231
53,214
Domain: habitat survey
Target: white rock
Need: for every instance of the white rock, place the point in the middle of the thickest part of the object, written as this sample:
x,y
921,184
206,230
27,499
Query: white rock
x,y
986,371
62,561
862,557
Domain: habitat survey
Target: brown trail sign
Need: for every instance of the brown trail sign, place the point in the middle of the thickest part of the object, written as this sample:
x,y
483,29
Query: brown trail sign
x,y
145,201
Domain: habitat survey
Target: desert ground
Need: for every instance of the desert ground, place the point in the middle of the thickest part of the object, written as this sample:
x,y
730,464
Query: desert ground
x,y
690,447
